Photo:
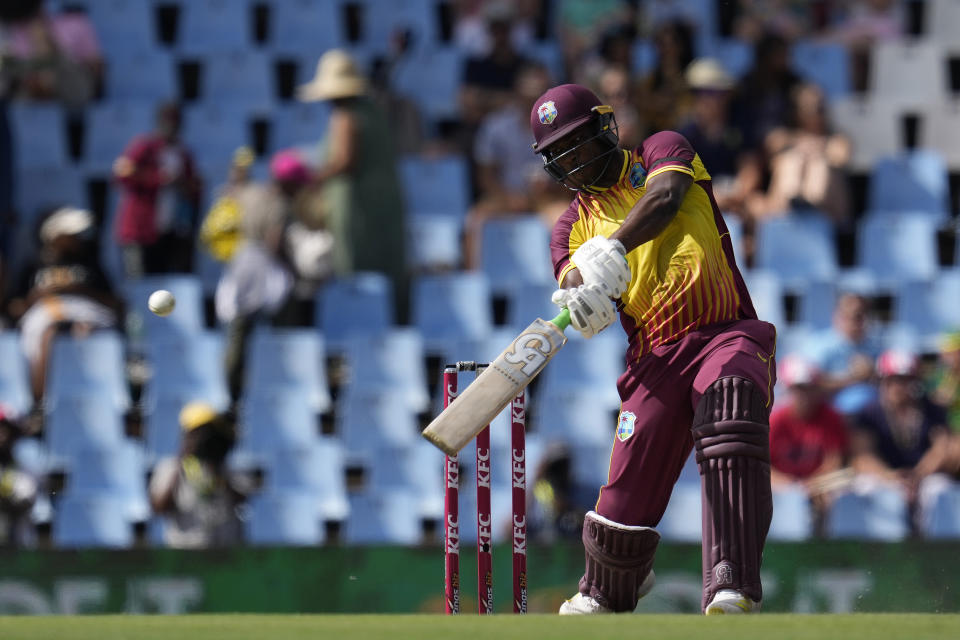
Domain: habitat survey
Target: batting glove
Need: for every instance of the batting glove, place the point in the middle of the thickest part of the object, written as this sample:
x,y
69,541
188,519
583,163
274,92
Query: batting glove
x,y
591,310
603,262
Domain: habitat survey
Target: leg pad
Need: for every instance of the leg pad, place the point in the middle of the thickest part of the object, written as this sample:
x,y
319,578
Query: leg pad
x,y
619,558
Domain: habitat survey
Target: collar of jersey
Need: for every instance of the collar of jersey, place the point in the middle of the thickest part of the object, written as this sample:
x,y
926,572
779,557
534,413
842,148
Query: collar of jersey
x,y
623,171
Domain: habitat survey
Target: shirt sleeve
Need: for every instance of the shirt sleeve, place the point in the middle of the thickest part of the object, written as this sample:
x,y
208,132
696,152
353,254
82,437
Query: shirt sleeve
x,y
667,151
560,250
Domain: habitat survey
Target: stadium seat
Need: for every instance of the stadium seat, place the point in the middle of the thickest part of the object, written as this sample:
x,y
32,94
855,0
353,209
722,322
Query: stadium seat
x,y
92,366
528,302
187,318
873,126
942,18
214,130
591,464
735,228
435,93
317,470
825,64
917,69
241,78
816,304
279,421
912,181
306,26
145,75
452,306
898,249
123,26
39,133
91,520
547,53
298,124
588,366
798,248
940,508
111,126
381,22
930,307
191,366
766,293
371,420
435,185
941,131
284,518
120,472
516,251
433,241
877,514
14,381
795,339
358,306
162,423
735,55
384,517
214,26
681,521
41,190
792,518
393,360
289,360
576,417
82,423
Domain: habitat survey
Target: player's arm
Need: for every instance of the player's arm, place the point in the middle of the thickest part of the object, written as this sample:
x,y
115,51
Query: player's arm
x,y
655,210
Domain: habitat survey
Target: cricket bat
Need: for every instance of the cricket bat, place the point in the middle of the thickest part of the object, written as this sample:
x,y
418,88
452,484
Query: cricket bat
x,y
499,383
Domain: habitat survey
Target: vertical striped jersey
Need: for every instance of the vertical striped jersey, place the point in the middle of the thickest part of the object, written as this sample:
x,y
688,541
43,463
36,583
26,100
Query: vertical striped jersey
x,y
683,279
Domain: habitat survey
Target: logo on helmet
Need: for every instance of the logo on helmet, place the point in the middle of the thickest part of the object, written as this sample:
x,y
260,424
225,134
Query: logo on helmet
x,y
547,112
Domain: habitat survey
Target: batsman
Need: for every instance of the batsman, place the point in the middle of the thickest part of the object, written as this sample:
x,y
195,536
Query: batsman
x,y
643,236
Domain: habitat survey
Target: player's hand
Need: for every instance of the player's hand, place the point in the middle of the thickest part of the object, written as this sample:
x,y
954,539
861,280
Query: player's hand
x,y
591,310
603,262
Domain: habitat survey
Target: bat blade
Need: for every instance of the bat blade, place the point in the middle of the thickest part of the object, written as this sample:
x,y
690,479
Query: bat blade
x,y
493,389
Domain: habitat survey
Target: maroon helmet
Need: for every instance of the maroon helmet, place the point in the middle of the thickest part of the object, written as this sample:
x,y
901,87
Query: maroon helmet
x,y
562,110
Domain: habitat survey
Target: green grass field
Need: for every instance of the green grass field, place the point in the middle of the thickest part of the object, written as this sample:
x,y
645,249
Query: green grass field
x,y
360,627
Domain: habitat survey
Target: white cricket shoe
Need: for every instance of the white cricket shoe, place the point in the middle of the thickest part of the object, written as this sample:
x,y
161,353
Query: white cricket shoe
x,y
580,604
730,601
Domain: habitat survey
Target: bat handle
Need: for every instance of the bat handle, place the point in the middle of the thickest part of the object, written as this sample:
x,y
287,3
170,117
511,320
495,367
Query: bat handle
x,y
562,321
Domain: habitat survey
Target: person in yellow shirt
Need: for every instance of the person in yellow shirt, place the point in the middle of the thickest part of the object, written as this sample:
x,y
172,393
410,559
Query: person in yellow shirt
x,y
643,235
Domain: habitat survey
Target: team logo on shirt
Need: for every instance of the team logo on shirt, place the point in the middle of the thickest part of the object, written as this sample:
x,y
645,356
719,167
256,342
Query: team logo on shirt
x,y
638,175
625,425
547,112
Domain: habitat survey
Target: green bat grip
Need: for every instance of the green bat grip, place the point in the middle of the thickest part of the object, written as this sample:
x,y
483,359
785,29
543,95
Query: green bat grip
x,y
562,321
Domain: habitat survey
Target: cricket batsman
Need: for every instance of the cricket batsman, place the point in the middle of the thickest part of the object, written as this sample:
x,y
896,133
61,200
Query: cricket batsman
x,y
644,236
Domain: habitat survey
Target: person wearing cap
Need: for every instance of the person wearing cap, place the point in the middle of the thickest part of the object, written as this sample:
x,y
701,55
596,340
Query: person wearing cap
x,y
18,488
64,289
902,437
220,231
194,492
643,235
361,194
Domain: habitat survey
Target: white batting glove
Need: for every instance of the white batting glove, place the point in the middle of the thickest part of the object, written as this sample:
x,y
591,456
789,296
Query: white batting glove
x,y
603,261
591,310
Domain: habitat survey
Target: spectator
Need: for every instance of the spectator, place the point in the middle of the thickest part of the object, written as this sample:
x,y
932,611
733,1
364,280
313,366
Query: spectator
x,y
471,31
616,88
51,56
945,381
846,354
510,177
220,231
18,489
63,289
360,189
665,98
194,492
901,438
583,24
159,201
807,163
558,502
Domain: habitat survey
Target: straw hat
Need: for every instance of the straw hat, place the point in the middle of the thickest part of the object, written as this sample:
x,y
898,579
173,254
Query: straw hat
x,y
337,76
708,74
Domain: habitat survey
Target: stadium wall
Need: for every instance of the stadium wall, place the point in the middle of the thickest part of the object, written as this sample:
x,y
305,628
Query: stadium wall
x,y
808,577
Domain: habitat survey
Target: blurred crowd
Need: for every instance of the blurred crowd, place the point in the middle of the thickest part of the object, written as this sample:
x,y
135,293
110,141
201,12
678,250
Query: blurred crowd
x,y
332,206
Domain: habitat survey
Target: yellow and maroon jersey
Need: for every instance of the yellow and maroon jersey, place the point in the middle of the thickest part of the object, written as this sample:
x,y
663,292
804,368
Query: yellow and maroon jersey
x,y
683,279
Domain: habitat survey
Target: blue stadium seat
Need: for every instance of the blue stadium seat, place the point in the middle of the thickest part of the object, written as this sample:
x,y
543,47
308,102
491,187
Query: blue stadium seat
x,y
214,130
735,228
766,292
912,181
825,64
384,517
436,92
162,423
279,421
187,318
452,306
816,305
880,514
795,339
91,366
110,128
681,521
119,472
549,54
516,251
42,190
591,464
318,471
940,514
284,518
289,360
380,21
798,248
214,26
243,77
435,185
123,26
434,241
643,56
576,417
898,249
735,55
141,75
792,518
191,366
298,124
39,135
14,381
92,520
528,302
306,26
359,306
587,366
873,126
394,360
82,423
372,419
930,307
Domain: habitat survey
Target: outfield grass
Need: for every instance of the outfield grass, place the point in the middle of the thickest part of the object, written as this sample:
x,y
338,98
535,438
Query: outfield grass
x,y
533,627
